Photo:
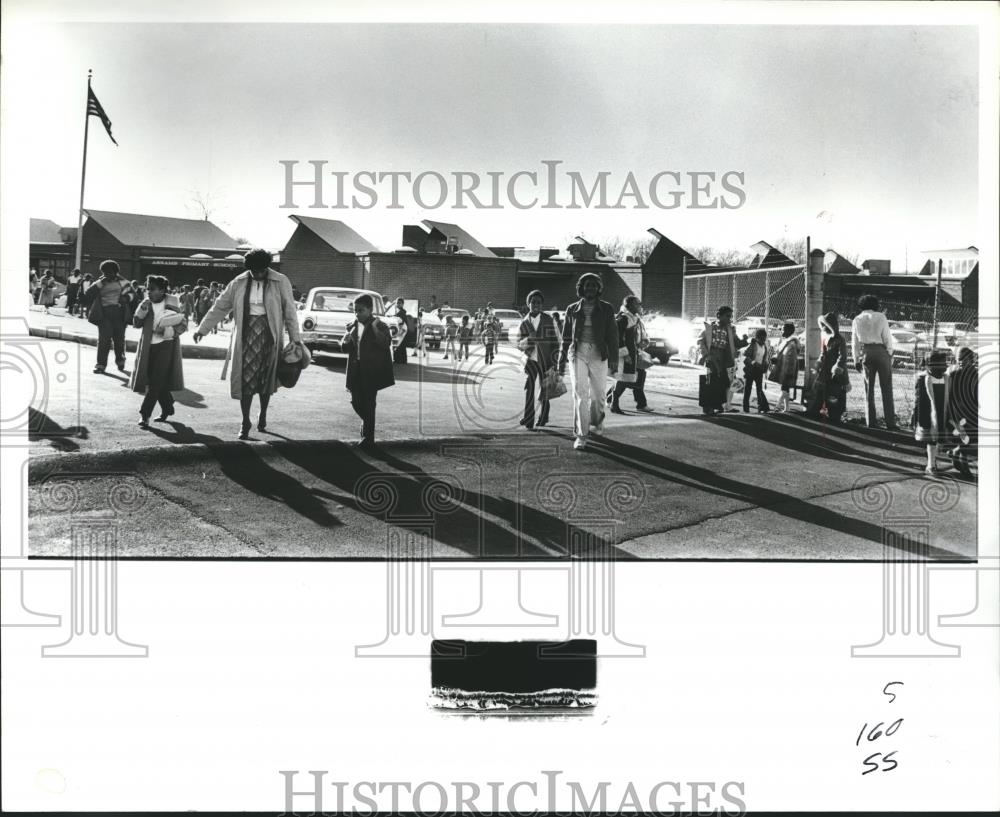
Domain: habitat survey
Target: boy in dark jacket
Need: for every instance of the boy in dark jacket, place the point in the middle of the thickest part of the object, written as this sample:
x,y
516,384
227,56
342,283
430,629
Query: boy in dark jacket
x,y
464,337
756,359
368,344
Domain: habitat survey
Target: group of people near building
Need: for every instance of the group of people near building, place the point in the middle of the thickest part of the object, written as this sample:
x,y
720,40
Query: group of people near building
x,y
195,301
592,342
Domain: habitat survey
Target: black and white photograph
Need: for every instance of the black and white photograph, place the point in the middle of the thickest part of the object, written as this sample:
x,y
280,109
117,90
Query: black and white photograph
x,y
601,402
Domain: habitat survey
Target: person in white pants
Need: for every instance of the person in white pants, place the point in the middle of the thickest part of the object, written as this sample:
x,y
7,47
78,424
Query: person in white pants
x,y
590,344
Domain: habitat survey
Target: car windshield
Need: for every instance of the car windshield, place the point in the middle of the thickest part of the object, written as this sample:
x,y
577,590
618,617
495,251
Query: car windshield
x,y
507,313
455,313
338,300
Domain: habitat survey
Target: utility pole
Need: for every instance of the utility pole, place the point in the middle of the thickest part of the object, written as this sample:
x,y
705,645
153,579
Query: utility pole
x,y
814,309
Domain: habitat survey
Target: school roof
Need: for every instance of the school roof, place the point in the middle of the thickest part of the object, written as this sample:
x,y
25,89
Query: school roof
x,y
768,256
44,231
335,233
465,241
162,231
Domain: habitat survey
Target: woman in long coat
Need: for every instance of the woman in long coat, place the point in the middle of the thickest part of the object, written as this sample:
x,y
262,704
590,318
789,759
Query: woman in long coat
x,y
158,368
830,386
264,309
633,338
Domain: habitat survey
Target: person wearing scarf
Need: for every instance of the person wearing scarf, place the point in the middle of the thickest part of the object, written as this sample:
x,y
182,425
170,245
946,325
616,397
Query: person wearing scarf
x,y
158,369
263,309
930,407
632,339
538,339
718,345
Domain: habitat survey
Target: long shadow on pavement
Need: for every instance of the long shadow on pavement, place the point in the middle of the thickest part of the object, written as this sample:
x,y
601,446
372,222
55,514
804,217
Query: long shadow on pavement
x,y
792,507
43,427
870,437
244,466
458,524
806,441
544,527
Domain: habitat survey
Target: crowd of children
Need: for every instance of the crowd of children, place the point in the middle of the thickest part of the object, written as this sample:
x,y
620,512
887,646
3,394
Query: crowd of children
x,y
945,402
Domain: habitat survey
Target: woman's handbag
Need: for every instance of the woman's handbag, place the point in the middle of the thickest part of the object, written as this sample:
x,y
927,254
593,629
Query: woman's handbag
x,y
95,314
292,360
644,361
553,385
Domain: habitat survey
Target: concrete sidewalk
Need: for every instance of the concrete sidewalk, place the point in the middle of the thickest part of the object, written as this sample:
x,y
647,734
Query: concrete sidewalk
x,y
56,324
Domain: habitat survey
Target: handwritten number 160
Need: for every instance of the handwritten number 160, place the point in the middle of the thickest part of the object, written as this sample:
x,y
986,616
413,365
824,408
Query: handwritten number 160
x,y
876,733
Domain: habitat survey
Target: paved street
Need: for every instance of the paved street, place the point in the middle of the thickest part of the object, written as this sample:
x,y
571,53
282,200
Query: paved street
x,y
456,467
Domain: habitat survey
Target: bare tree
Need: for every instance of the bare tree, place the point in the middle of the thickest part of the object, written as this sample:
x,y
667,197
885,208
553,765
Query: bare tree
x,y
731,257
794,248
203,203
620,248
643,248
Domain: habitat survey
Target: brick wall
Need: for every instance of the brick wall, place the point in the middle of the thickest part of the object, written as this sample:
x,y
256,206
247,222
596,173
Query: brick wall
x,y
462,281
309,262
559,287
559,290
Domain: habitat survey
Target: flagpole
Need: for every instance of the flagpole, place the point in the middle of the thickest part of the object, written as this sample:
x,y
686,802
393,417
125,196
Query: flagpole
x,y
83,177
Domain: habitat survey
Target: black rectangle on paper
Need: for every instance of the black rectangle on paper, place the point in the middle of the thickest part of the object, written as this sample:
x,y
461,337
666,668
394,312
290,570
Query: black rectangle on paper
x,y
505,674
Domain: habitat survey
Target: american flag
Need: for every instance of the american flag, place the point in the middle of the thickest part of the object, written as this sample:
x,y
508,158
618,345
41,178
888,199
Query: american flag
x,y
94,108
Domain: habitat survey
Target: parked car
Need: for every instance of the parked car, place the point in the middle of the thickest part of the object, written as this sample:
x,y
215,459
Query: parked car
x,y
433,328
510,320
455,312
911,326
327,311
667,336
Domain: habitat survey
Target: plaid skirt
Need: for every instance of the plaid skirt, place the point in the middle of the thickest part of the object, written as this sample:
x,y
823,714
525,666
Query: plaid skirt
x,y
258,356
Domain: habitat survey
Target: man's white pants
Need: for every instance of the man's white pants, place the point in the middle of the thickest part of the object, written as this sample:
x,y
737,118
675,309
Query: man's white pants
x,y
588,376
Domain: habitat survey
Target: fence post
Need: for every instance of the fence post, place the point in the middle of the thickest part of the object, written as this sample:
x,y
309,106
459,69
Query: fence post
x,y
704,313
937,301
767,301
684,287
814,308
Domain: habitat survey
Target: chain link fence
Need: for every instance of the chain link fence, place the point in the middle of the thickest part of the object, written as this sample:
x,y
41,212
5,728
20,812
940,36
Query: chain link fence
x,y
917,330
769,298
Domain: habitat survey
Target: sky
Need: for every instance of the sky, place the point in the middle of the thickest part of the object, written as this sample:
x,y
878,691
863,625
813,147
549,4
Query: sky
x,y
864,137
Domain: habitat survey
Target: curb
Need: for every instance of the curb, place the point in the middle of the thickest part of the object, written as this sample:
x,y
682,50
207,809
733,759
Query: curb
x,y
187,352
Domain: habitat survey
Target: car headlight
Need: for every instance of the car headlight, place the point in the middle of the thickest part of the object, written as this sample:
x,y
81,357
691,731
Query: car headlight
x,y
308,324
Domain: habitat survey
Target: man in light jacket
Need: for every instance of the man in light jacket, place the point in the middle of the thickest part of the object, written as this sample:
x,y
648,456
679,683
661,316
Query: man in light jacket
x,y
590,343
871,346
